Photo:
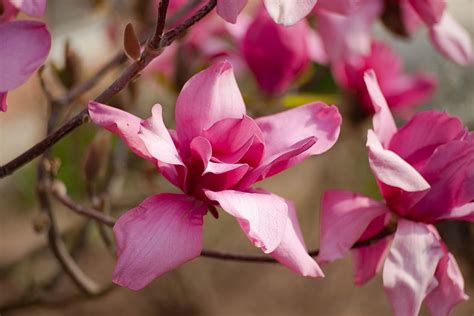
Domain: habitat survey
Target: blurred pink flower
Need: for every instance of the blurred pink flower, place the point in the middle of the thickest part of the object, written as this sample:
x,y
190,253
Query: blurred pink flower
x,y
402,91
448,37
425,174
276,54
345,26
24,46
10,8
285,12
216,153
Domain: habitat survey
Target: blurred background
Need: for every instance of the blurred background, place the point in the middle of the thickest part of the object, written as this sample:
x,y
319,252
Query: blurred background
x,y
86,34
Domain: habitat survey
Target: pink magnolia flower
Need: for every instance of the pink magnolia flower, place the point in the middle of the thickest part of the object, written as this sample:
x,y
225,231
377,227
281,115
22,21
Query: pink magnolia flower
x,y
9,9
448,37
286,12
216,153
425,174
275,54
24,46
402,91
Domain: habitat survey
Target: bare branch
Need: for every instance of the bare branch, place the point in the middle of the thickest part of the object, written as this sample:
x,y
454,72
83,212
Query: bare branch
x,y
81,209
160,24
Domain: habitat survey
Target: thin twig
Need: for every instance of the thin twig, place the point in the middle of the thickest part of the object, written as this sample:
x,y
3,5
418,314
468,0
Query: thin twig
x,y
160,24
182,11
81,209
129,74
213,254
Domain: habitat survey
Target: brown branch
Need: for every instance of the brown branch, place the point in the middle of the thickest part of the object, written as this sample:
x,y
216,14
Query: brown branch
x,y
214,254
181,11
171,35
160,24
82,210
127,75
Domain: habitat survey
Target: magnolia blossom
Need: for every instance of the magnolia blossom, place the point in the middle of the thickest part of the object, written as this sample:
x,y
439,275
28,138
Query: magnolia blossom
x,y
24,46
425,172
276,54
286,12
216,153
402,91
448,37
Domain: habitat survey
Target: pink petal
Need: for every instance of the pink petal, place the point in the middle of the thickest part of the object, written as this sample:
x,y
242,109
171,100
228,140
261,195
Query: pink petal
x,y
464,213
262,216
30,7
452,40
230,9
201,153
223,176
24,46
157,139
450,172
367,261
277,163
292,250
410,267
429,10
3,101
384,124
316,50
391,169
410,18
409,91
206,98
416,141
450,289
344,218
119,122
232,139
285,129
159,235
289,12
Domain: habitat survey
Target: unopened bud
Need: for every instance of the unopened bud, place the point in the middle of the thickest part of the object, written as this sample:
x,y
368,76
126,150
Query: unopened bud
x,y
131,45
95,161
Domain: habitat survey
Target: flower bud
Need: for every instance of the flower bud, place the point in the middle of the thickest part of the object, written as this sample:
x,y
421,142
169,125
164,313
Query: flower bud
x,y
131,44
96,158
275,54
